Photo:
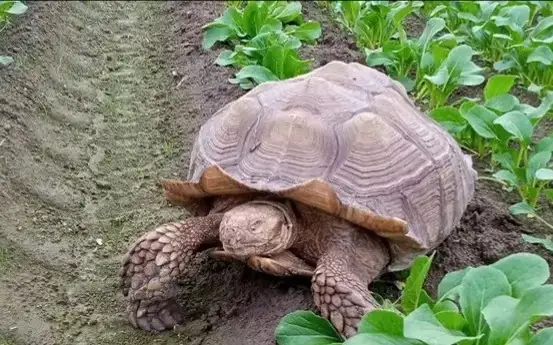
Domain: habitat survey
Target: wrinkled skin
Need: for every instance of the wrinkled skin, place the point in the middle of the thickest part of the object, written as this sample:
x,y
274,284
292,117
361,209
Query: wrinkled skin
x,y
271,236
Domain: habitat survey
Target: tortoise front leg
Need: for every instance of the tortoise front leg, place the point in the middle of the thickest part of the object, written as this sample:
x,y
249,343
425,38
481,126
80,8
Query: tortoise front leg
x,y
152,264
341,279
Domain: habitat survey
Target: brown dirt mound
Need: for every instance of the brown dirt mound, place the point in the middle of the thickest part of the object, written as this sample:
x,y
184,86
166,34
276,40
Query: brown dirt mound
x,y
92,115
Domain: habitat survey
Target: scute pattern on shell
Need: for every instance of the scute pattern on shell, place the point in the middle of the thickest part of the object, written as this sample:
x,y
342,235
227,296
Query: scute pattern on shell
x,y
357,131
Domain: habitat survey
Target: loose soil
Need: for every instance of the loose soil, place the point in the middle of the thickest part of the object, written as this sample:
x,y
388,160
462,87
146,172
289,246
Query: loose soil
x,y
104,99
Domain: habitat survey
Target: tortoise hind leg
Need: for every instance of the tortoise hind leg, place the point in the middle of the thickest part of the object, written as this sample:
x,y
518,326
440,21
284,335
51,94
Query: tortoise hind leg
x,y
281,264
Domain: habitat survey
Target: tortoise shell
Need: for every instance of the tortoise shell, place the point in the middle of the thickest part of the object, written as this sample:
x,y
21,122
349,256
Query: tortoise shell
x,y
345,139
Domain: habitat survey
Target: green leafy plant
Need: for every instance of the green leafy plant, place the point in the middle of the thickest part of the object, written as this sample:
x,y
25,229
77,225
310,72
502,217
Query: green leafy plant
x,y
487,305
501,128
455,70
401,57
266,36
241,25
8,9
373,23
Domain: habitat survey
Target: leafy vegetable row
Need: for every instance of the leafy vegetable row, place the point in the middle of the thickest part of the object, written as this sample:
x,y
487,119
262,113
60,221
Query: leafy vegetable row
x,y
7,10
487,305
513,36
265,37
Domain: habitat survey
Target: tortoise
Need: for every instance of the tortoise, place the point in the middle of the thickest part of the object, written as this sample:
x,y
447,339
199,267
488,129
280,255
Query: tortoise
x,y
333,175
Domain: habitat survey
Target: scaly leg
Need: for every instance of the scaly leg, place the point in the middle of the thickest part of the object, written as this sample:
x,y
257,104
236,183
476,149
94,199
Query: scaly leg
x,y
341,279
154,261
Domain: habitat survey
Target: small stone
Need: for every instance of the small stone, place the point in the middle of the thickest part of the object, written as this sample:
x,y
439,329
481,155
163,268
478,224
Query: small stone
x,y
327,299
99,241
102,184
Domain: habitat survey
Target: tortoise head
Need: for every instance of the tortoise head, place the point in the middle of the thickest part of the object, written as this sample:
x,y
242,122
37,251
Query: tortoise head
x,y
257,228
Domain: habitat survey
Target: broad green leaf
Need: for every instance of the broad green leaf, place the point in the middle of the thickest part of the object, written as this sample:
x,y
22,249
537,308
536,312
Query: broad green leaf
x,y
535,302
544,107
259,74
546,242
497,85
524,271
377,58
451,320
508,317
440,78
270,25
517,124
451,282
445,305
507,176
469,79
450,118
433,26
411,298
542,32
379,339
481,120
502,103
544,174
6,60
308,32
17,8
225,58
306,328
382,321
521,208
506,160
541,54
287,11
255,15
216,33
543,337
545,144
504,65
499,315
422,325
479,286
536,162
515,17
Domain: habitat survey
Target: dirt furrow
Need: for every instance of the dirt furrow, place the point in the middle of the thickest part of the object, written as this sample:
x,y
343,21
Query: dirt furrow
x,y
84,145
